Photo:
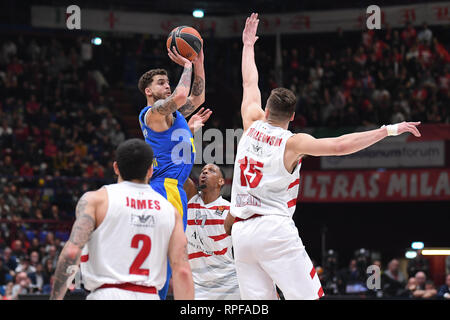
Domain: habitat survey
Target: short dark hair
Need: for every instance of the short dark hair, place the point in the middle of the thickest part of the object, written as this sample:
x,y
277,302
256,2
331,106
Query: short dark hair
x,y
147,78
134,157
281,103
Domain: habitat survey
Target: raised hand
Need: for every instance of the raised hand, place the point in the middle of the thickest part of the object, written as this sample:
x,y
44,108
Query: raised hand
x,y
178,58
199,119
249,34
200,57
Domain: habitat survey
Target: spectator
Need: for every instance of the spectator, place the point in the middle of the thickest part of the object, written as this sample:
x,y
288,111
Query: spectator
x,y
352,278
17,249
429,291
51,256
409,289
25,266
37,278
393,279
49,270
444,290
8,291
421,279
5,275
34,258
426,35
10,259
22,285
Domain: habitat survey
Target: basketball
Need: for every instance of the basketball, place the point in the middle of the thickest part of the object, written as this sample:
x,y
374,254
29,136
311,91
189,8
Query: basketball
x,y
186,40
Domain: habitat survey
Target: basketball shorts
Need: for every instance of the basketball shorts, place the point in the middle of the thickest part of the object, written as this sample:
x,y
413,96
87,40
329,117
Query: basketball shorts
x,y
268,251
174,193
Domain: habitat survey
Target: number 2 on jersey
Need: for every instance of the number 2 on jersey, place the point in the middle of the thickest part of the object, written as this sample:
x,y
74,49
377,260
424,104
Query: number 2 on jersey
x,y
142,255
253,175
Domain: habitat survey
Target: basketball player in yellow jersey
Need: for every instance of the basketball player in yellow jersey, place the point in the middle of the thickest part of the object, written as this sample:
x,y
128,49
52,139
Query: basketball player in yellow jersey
x,y
165,129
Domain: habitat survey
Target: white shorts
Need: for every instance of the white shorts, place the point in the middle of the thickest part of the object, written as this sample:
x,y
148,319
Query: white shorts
x,y
269,251
120,294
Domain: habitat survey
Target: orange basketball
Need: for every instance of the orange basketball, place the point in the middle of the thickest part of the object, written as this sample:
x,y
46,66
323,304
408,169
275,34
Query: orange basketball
x,y
186,40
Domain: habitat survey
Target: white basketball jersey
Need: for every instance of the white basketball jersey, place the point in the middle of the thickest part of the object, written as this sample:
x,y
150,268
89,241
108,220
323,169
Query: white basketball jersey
x,y
261,183
131,243
209,250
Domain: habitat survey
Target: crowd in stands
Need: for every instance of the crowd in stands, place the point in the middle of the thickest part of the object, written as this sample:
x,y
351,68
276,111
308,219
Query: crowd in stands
x,y
59,126
386,76
392,282
27,266
58,134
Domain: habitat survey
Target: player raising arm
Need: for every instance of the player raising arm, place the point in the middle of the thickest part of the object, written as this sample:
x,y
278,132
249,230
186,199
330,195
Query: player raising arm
x,y
264,193
300,144
164,103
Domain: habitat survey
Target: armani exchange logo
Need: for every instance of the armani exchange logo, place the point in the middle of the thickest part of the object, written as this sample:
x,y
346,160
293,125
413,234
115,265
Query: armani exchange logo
x,y
142,220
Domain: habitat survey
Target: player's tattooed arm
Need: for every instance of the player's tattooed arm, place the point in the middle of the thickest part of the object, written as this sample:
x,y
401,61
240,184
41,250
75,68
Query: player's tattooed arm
x,y
69,258
196,98
177,98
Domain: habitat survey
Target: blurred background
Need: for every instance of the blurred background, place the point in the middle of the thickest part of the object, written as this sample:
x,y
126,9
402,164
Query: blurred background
x,y
69,97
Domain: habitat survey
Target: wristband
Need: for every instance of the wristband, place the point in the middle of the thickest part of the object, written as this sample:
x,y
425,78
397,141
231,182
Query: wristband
x,y
392,129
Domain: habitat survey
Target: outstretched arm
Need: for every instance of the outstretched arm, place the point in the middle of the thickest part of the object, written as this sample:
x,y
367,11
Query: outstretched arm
x,y
304,144
69,259
251,101
197,96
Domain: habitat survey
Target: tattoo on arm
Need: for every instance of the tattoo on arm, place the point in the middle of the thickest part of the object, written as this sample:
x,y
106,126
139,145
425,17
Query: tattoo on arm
x,y
197,89
185,80
187,108
82,229
62,275
168,105
198,86
83,226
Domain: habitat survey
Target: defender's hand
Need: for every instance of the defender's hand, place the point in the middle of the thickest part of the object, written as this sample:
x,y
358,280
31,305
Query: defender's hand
x,y
402,127
249,34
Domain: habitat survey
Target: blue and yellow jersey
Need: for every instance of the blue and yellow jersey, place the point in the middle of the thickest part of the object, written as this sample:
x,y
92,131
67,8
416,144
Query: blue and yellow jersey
x,y
174,156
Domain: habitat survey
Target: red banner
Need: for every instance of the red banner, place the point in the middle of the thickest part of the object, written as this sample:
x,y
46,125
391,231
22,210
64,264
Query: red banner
x,y
371,186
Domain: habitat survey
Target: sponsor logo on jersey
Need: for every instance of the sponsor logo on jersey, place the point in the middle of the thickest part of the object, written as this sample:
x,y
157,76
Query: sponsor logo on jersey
x,y
220,210
142,220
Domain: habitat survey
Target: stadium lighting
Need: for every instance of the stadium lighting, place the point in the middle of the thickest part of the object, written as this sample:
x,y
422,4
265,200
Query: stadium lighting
x,y
96,41
417,245
410,254
198,13
435,252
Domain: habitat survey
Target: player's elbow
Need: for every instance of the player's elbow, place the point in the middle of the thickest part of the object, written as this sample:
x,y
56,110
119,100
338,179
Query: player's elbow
x,y
180,96
182,272
340,147
197,100
71,252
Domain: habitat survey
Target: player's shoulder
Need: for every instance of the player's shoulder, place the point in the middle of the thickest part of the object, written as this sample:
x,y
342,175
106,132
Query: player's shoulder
x,y
195,198
223,201
95,196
